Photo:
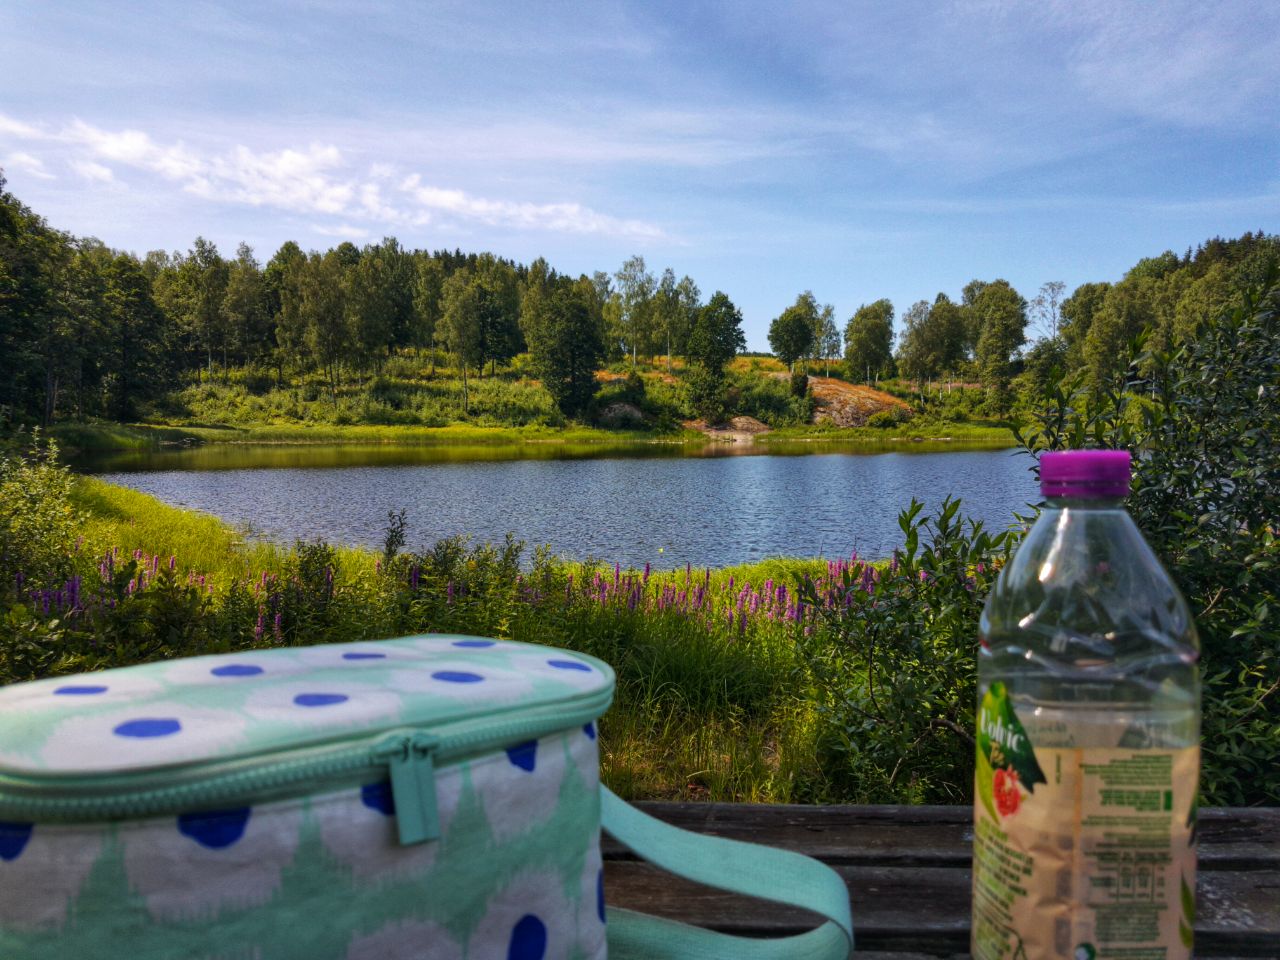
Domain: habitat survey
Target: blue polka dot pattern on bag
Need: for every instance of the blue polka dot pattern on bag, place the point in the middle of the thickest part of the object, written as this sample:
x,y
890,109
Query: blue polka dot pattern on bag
x,y
378,796
320,699
13,839
474,644
590,730
144,728
363,655
457,676
600,895
528,939
569,665
81,690
236,670
215,829
524,755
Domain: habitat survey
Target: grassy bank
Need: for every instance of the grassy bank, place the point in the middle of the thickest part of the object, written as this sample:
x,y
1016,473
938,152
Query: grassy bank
x,y
989,435
104,436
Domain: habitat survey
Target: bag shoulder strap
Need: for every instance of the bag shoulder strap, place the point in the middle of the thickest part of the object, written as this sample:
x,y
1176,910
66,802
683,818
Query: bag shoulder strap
x,y
747,868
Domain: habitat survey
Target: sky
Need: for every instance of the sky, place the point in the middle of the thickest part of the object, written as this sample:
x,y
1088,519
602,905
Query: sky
x,y
856,149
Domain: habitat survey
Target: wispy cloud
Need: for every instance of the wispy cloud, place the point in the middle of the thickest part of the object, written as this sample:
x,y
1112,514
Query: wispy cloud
x,y
92,170
25,162
343,231
562,217
1188,62
316,180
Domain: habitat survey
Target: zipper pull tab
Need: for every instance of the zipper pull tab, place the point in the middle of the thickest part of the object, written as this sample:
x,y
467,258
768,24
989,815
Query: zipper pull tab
x,y
413,786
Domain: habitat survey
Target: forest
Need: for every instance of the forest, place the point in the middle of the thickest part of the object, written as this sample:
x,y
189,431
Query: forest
x,y
87,331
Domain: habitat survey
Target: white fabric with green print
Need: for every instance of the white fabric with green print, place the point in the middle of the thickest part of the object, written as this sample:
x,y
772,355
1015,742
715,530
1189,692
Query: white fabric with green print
x,y
431,797
317,869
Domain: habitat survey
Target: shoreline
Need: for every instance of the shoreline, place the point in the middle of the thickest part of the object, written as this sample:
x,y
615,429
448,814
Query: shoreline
x,y
106,437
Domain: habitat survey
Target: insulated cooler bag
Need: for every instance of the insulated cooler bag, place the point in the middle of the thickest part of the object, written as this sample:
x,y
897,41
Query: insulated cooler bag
x,y
427,798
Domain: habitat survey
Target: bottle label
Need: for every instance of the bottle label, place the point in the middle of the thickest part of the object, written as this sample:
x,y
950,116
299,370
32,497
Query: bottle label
x,y
1086,854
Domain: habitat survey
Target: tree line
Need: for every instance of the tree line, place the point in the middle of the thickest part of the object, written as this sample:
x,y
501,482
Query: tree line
x,y
90,331
984,335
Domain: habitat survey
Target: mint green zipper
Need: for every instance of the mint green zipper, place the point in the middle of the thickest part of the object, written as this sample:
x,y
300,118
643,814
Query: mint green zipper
x,y
408,755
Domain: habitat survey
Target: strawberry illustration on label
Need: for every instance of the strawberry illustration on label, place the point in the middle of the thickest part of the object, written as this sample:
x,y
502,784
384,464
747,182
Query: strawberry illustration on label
x,y
1005,791
1005,755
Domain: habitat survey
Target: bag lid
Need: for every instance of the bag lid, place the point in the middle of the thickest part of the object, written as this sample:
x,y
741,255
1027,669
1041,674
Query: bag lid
x,y
188,712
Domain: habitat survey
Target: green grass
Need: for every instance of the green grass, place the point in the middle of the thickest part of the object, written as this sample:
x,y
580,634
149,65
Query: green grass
x,y
975,434
102,436
120,517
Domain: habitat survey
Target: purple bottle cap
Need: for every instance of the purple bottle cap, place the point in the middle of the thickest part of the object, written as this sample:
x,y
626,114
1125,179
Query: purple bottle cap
x,y
1103,474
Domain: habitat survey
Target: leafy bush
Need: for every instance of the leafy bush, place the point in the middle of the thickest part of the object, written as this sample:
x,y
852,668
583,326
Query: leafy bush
x,y
37,522
1203,425
882,420
891,653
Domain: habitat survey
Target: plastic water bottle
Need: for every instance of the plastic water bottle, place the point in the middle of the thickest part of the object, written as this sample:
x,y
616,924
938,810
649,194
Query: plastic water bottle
x,y
1088,735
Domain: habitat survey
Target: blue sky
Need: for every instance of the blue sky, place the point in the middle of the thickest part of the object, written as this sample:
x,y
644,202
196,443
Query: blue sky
x,y
860,150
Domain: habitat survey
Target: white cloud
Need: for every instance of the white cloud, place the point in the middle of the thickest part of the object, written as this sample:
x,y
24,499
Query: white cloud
x,y
317,179
11,127
26,163
92,170
345,231
559,217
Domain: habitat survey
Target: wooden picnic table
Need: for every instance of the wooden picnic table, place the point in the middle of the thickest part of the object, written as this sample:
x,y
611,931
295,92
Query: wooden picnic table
x,y
908,871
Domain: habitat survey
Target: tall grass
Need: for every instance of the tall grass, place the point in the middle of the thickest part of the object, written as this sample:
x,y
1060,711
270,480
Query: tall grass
x,y
705,709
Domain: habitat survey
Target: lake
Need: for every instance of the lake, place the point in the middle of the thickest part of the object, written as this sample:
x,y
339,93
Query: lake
x,y
661,504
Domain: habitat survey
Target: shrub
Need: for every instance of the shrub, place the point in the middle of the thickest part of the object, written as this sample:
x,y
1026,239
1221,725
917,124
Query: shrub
x,y
892,660
37,523
1203,425
799,384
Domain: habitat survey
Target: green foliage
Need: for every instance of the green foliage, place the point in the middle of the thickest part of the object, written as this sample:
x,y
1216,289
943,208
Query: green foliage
x,y
1002,319
791,334
716,337
933,342
769,400
38,525
1203,424
708,396
564,325
868,340
891,658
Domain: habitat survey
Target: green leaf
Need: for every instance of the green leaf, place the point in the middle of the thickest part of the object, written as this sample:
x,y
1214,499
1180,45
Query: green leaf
x,y
983,785
1003,739
1188,904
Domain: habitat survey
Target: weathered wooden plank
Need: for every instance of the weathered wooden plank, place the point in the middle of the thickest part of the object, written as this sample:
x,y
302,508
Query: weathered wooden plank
x,y
926,909
1239,839
924,836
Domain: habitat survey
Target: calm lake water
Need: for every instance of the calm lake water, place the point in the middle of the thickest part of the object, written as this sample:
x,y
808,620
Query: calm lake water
x,y
635,505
